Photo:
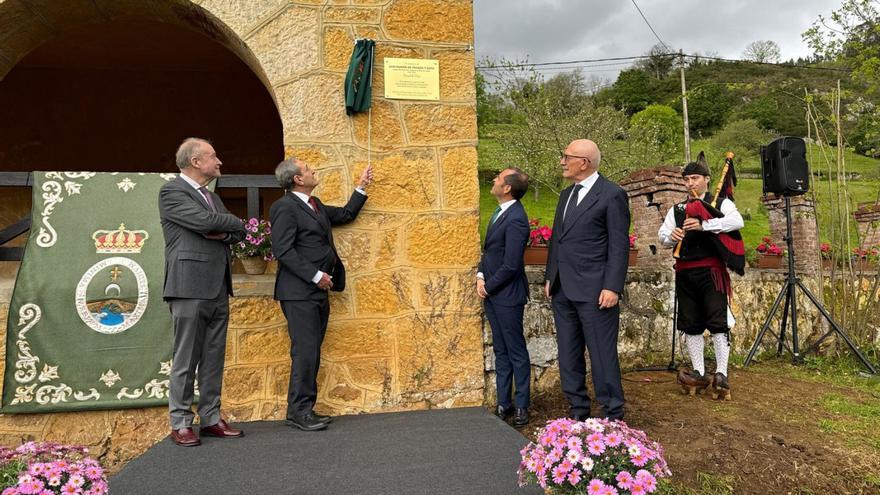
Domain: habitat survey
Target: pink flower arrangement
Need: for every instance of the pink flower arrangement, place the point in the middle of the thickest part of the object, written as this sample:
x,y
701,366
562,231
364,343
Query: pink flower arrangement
x,y
768,248
540,234
596,456
50,468
257,242
632,241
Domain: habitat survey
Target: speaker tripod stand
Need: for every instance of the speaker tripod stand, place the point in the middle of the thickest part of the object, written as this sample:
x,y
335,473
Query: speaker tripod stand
x,y
789,290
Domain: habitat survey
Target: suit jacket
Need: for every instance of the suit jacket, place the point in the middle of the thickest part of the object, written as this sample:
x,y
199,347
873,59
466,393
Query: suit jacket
x,y
195,267
502,262
302,241
589,250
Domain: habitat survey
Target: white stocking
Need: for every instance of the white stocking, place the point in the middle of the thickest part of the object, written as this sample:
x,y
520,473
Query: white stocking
x,y
722,352
695,346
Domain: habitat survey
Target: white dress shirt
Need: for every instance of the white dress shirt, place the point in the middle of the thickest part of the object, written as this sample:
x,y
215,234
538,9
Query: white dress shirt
x,y
731,221
586,185
305,198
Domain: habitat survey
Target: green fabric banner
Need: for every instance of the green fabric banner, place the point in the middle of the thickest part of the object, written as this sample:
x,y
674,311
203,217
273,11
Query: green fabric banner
x,y
87,326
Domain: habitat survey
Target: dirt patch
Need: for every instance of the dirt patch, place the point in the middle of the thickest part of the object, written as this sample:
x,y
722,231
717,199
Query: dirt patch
x,y
768,439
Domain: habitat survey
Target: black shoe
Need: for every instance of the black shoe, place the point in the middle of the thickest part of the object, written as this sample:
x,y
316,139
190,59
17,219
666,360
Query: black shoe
x,y
322,418
521,417
579,416
503,412
306,422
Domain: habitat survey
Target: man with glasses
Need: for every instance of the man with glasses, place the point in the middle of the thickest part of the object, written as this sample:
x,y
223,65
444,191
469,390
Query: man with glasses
x,y
585,275
198,230
504,289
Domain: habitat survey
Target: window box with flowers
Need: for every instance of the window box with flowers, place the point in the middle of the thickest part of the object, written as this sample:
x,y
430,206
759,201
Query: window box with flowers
x,y
633,251
769,254
256,248
539,239
827,254
865,260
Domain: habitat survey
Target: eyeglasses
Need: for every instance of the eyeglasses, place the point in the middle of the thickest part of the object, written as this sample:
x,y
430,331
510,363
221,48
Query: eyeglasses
x,y
564,157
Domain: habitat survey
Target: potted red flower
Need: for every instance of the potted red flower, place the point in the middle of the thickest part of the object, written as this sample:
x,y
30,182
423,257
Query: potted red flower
x,y
633,251
769,254
539,239
827,254
865,260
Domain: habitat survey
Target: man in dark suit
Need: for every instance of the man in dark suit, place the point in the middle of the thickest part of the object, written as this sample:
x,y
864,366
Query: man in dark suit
x,y
504,289
198,231
308,267
586,270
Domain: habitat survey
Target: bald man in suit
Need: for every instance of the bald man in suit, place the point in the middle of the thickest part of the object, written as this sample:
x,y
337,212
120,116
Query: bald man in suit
x,y
586,271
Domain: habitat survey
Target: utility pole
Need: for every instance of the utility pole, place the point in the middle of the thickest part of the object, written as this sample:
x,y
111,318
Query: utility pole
x,y
684,110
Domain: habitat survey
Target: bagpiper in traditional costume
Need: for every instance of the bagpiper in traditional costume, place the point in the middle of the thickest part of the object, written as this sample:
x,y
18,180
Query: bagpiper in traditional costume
x,y
705,233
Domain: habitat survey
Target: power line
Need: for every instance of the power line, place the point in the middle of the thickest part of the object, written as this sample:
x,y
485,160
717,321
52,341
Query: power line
x,y
540,64
572,63
650,27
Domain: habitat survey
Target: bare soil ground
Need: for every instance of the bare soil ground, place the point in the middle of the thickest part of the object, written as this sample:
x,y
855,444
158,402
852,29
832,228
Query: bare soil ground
x,y
779,434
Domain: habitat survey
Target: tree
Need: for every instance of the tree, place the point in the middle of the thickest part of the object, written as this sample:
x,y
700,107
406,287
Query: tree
x,y
661,126
632,91
709,105
659,61
851,36
762,51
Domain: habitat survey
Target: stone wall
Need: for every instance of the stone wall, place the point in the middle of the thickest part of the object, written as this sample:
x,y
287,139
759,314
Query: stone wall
x,y
867,217
805,236
646,322
651,193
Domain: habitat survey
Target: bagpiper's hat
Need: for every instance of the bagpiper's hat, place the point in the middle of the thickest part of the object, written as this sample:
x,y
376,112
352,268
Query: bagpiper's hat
x,y
699,167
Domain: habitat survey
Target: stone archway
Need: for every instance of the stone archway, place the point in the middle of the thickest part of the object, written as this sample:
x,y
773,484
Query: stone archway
x,y
117,85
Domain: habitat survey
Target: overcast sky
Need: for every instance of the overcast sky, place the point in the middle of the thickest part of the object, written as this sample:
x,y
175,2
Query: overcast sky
x,y
564,30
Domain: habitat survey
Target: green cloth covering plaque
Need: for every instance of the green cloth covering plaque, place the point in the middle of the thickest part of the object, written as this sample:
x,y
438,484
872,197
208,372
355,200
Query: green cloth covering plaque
x,y
87,326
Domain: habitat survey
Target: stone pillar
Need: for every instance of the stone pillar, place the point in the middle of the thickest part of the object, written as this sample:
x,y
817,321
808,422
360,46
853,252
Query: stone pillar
x,y
651,193
868,219
803,228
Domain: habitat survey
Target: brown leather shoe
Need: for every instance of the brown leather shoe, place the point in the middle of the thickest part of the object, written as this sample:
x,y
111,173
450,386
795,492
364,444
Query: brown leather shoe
x,y
693,382
222,430
185,437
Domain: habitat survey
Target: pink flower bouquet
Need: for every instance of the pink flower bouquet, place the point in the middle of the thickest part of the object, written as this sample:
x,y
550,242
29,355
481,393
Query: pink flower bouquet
x,y
540,234
48,469
596,457
257,242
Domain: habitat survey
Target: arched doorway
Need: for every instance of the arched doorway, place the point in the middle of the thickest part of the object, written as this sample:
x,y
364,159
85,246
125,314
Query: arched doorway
x,y
86,86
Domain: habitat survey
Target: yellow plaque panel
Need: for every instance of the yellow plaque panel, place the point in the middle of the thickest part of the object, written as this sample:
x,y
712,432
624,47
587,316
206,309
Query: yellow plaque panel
x,y
412,79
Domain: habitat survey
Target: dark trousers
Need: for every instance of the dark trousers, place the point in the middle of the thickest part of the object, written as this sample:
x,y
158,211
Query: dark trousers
x,y
701,306
511,354
306,325
199,343
579,324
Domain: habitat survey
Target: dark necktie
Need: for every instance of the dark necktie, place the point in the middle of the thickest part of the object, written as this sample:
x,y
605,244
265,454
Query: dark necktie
x,y
313,204
574,194
207,195
494,217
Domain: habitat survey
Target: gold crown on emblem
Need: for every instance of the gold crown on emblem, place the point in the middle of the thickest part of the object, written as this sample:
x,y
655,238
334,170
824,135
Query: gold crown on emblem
x,y
120,241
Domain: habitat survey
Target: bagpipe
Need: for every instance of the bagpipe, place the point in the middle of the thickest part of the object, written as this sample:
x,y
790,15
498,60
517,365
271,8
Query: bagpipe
x,y
728,246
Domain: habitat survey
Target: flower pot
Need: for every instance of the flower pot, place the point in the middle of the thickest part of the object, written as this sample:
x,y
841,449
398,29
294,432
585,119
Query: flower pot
x,y
633,257
254,265
535,255
864,266
769,261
